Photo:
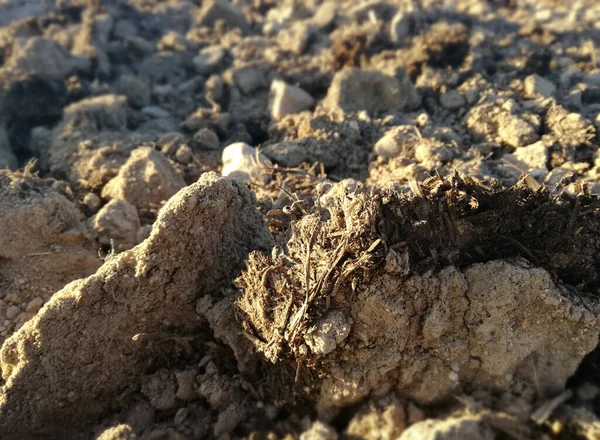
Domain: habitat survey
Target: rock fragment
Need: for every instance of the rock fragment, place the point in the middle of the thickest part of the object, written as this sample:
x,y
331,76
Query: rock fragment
x,y
532,157
328,333
117,224
396,140
452,100
136,89
354,89
287,100
242,162
206,139
146,180
536,86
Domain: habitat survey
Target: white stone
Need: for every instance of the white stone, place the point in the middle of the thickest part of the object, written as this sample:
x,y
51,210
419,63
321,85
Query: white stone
x,y
535,85
288,100
240,161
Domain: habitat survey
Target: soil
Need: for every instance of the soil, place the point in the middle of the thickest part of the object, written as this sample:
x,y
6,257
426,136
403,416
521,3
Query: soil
x,y
316,220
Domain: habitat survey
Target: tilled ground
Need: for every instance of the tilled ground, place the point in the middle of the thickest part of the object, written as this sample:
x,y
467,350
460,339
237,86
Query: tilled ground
x,y
267,219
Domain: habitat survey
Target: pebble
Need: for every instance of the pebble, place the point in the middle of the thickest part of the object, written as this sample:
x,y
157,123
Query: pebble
x,y
391,144
206,139
92,202
288,100
250,78
184,155
452,100
12,312
34,305
324,15
536,85
240,162
534,156
25,316
156,112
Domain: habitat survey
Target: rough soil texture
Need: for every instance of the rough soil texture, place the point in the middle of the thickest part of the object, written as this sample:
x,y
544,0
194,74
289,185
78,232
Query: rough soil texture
x,y
101,327
373,219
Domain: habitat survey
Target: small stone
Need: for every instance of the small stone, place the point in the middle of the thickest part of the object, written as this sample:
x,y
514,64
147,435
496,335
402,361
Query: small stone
x,y
25,316
517,132
156,112
536,85
354,89
136,89
240,162
452,100
319,431
206,139
288,100
91,202
12,312
328,333
395,140
209,59
186,389
214,10
184,155
34,305
117,224
146,180
251,78
532,157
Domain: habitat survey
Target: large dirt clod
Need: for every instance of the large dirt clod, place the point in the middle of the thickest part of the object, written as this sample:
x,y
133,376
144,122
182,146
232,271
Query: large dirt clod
x,y
99,328
415,293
